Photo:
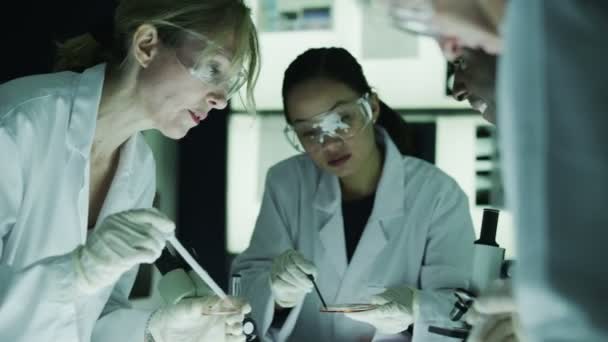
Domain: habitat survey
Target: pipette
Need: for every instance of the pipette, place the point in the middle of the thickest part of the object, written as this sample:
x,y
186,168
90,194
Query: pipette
x,y
183,252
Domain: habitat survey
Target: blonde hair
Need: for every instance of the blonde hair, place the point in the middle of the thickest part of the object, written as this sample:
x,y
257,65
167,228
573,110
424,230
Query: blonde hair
x,y
172,18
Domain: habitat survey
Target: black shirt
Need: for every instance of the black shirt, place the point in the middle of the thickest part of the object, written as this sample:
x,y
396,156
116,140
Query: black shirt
x,y
356,214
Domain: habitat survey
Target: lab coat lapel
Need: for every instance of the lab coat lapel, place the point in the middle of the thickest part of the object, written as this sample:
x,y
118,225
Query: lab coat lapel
x,y
83,118
390,193
331,233
80,134
121,193
388,205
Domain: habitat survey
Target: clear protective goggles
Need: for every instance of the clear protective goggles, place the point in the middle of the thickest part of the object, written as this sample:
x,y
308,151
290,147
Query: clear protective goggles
x,y
210,63
457,66
342,122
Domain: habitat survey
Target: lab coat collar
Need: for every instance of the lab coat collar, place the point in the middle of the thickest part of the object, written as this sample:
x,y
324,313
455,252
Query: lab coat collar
x,y
327,195
81,131
121,191
83,117
389,195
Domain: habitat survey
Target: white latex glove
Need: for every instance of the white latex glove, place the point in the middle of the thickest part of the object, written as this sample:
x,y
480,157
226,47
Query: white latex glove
x,y
289,280
394,313
493,316
123,240
200,319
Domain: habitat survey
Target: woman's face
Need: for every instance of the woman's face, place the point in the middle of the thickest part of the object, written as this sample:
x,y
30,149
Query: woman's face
x,y
342,157
177,88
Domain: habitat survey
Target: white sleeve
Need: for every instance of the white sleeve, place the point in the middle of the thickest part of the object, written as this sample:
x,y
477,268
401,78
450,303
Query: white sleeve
x,y
36,302
446,264
554,154
119,321
270,238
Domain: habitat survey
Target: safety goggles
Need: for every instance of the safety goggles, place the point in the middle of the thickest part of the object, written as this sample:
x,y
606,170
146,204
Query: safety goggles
x,y
342,122
458,65
209,63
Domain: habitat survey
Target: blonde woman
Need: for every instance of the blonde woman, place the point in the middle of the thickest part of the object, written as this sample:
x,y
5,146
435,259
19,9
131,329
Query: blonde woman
x,y
77,179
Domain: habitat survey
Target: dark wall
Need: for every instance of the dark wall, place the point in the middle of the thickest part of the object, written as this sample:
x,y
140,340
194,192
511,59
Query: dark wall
x,y
201,201
423,139
30,29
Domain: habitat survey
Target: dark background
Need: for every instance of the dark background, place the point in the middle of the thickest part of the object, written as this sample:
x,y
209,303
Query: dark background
x,y
30,28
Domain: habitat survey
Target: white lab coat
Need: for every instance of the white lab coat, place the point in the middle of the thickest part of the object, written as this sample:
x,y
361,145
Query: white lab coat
x,y
47,124
419,234
553,117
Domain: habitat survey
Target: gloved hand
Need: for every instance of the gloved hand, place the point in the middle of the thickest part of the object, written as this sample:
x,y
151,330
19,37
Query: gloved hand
x,y
394,313
122,241
200,319
494,317
289,281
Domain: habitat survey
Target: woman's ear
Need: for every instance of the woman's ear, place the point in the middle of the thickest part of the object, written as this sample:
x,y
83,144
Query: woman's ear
x,y
145,44
375,104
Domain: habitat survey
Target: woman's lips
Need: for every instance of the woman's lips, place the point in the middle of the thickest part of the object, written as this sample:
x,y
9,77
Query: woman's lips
x,y
337,162
194,117
197,117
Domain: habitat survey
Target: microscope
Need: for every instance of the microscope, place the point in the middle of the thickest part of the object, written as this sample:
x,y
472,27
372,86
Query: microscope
x,y
488,265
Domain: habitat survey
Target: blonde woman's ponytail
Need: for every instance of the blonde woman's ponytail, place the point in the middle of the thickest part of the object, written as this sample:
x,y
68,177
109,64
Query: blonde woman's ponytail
x,y
80,53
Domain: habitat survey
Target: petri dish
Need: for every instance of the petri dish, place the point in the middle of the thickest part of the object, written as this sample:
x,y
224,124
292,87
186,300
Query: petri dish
x,y
220,312
346,308
220,308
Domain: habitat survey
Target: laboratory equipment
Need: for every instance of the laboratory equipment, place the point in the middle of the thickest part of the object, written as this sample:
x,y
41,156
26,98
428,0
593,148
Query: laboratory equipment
x,y
314,283
249,327
488,266
183,252
346,308
488,256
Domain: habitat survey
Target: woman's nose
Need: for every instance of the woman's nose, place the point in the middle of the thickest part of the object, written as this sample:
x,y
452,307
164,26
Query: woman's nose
x,y
216,101
331,143
451,47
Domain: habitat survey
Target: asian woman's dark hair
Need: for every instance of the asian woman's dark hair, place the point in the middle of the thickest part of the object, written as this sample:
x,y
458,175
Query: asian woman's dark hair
x,y
339,65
